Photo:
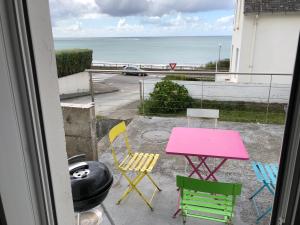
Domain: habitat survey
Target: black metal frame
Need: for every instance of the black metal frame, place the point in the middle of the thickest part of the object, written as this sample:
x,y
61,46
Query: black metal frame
x,y
289,146
2,214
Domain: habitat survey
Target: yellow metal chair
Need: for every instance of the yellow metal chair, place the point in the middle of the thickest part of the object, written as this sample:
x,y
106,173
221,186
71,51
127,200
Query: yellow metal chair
x,y
140,163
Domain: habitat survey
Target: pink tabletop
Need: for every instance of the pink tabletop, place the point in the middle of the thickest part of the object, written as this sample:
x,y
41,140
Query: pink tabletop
x,y
207,142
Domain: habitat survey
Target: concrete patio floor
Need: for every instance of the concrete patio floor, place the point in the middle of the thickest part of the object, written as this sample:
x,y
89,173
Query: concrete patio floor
x,y
151,135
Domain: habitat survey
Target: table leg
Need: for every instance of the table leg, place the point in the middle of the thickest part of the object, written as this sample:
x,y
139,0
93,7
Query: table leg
x,y
178,205
197,167
176,213
216,169
206,166
194,167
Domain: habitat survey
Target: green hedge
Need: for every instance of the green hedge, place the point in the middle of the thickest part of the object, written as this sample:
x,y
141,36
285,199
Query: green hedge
x,y
72,61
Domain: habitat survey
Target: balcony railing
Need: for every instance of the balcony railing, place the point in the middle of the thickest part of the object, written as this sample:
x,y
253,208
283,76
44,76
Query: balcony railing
x,y
259,93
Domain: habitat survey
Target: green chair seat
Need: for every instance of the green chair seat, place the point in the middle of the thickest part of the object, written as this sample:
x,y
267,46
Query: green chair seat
x,y
208,200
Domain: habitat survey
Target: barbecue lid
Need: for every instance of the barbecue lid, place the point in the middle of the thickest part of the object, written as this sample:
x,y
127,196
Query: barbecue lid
x,y
88,179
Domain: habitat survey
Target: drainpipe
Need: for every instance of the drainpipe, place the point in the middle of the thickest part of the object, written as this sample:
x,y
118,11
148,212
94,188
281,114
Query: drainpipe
x,y
253,45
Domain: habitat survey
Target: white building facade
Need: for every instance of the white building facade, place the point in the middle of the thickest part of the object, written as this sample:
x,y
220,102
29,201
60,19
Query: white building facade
x,y
264,40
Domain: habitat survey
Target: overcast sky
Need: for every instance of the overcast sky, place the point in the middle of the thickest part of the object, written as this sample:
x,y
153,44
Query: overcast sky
x,y
115,18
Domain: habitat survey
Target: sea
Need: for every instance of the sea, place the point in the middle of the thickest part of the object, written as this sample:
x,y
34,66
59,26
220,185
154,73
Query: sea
x,y
152,50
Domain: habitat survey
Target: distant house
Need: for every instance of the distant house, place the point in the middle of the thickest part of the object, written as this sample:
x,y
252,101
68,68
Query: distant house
x,y
264,40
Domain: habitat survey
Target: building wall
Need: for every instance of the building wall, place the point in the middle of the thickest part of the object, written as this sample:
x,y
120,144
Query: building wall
x,y
267,44
237,38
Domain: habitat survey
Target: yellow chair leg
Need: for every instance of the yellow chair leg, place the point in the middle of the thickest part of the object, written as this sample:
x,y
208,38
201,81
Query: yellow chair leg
x,y
132,183
153,182
132,187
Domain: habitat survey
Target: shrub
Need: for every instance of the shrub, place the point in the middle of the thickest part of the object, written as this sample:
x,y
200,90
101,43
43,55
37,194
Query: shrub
x,y
223,64
72,61
168,97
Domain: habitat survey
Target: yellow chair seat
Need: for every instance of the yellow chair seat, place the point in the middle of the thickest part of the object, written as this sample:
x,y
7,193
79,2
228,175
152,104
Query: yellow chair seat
x,y
141,162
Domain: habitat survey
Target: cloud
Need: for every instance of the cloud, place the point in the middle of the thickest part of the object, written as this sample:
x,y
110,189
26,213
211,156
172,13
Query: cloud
x,y
137,17
64,9
120,8
225,19
74,27
123,26
158,7
168,25
67,29
175,20
225,22
122,23
185,21
162,7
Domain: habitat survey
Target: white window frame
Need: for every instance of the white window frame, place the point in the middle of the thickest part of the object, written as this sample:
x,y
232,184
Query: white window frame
x,y
35,185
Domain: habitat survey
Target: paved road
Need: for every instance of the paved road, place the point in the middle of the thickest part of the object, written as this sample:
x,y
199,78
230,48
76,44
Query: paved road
x,y
120,104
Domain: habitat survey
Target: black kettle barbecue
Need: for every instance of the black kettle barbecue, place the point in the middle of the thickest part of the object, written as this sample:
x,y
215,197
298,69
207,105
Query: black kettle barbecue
x,y
90,182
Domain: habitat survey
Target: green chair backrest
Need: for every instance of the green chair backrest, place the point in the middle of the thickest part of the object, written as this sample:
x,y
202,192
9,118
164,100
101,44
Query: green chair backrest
x,y
208,186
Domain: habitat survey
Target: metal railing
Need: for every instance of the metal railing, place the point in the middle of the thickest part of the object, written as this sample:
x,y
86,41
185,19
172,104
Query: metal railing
x,y
184,67
240,90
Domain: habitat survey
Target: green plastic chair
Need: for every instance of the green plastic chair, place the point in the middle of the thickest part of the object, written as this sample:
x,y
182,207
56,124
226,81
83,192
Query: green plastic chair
x,y
208,200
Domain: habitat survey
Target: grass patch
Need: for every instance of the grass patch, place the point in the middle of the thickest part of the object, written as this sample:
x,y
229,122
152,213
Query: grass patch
x,y
189,78
250,117
232,111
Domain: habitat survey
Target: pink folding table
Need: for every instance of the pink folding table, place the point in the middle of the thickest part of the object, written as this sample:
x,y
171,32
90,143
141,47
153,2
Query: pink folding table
x,y
204,144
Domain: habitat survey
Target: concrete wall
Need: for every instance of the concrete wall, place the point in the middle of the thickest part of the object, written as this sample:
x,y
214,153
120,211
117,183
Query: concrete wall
x,y
76,83
80,129
226,91
267,43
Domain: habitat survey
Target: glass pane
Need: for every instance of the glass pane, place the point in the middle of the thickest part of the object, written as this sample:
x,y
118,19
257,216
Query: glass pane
x,y
226,90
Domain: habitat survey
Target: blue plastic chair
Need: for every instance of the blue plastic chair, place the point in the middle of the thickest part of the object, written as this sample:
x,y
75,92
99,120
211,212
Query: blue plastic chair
x,y
267,175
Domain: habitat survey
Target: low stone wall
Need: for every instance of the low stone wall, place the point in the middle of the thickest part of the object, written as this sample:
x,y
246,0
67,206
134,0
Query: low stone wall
x,y
75,84
80,129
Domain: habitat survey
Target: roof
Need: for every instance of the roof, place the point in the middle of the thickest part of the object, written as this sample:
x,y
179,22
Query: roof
x,y
259,6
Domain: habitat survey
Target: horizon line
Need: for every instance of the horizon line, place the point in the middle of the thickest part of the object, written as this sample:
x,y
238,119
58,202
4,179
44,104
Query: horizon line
x,y
147,36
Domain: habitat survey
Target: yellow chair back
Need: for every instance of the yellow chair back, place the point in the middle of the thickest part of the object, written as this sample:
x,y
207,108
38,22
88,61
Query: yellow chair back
x,y
116,131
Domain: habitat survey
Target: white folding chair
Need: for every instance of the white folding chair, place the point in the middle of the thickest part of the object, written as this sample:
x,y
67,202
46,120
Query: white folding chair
x,y
212,114
202,113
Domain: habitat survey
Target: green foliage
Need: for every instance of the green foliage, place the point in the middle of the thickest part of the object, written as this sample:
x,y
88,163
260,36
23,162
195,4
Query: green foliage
x,y
72,61
167,97
246,112
189,78
223,65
